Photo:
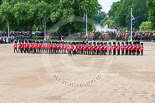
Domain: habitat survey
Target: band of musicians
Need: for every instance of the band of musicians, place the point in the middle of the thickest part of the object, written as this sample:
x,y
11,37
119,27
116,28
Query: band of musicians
x,y
79,48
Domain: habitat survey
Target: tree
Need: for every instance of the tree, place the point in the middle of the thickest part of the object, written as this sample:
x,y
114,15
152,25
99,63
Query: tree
x,y
69,9
145,26
151,6
108,22
121,12
100,16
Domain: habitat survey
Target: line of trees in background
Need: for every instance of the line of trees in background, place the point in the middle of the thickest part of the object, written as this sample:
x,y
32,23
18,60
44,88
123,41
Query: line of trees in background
x,y
120,14
27,15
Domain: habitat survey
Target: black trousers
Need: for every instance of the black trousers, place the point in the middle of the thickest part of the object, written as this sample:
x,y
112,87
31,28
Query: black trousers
x,y
126,52
109,52
122,52
98,52
138,52
114,52
129,52
15,50
26,50
101,52
118,52
141,53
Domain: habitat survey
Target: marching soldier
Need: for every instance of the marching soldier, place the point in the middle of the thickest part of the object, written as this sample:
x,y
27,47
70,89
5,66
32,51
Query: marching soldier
x,y
93,49
101,48
74,48
105,48
22,47
122,48
26,47
133,48
89,49
141,49
97,48
137,48
126,48
15,47
114,48
129,47
118,48
109,48
81,48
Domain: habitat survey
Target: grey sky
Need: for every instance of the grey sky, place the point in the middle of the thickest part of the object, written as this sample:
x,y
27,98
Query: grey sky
x,y
106,4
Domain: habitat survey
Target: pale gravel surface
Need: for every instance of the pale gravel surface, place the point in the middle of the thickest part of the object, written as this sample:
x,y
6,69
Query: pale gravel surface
x,y
39,78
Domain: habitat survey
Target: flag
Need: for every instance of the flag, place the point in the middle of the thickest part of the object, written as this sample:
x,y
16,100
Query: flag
x,y
43,22
84,19
6,23
133,21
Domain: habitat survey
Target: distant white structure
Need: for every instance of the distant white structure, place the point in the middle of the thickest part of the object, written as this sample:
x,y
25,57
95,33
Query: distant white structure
x,y
100,29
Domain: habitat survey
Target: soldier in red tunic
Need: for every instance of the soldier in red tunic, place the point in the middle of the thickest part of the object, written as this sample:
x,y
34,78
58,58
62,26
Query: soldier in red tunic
x,y
122,48
138,47
15,47
109,48
81,48
26,47
130,48
118,48
126,48
93,49
141,49
105,48
74,48
101,48
89,49
114,48
84,49
22,47
97,48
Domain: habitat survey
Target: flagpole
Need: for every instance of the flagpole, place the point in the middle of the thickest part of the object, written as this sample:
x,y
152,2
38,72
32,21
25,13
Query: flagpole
x,y
8,29
131,24
86,25
44,29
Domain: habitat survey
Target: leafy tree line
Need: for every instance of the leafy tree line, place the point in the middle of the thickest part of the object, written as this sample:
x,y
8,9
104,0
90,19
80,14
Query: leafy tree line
x,y
27,15
120,12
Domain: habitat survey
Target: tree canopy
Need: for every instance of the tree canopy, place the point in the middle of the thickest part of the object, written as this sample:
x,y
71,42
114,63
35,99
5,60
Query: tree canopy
x,y
24,15
120,12
151,6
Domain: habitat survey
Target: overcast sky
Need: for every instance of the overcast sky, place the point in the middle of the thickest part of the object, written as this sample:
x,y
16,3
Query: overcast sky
x,y
106,4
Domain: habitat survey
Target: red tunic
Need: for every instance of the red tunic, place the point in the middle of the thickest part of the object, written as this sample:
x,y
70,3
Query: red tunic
x,y
89,47
22,45
101,48
74,47
15,46
118,47
26,46
141,48
113,47
97,47
122,47
129,47
105,48
109,47
92,47
126,47
137,47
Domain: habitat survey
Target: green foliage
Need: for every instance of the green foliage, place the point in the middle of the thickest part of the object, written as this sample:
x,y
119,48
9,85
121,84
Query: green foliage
x,y
24,15
121,11
109,22
100,16
145,26
151,6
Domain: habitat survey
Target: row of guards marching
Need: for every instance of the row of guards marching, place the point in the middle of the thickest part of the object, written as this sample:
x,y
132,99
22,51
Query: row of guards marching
x,y
81,48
